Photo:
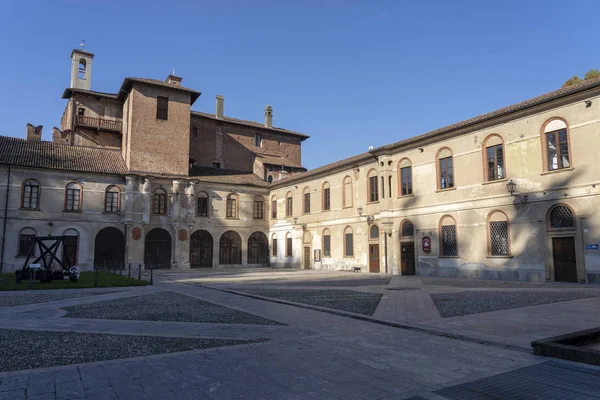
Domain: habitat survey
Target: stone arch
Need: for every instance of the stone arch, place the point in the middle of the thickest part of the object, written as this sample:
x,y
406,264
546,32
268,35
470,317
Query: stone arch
x,y
157,249
109,248
201,249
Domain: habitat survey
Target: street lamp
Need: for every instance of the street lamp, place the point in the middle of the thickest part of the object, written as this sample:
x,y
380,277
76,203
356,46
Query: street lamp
x,y
370,218
295,221
511,186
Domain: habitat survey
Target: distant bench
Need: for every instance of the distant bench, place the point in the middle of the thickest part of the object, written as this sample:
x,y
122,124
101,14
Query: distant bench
x,y
355,269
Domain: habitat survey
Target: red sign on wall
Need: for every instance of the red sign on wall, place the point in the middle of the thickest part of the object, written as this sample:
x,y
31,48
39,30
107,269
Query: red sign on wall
x,y
426,243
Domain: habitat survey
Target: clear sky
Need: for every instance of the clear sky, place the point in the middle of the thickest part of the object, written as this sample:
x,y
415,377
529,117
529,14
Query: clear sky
x,y
350,74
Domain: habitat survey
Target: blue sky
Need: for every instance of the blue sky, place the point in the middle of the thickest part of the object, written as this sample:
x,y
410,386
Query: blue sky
x,y
350,74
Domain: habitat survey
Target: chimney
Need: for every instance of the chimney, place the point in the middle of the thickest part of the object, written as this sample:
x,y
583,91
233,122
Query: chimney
x,y
269,116
220,105
174,79
34,133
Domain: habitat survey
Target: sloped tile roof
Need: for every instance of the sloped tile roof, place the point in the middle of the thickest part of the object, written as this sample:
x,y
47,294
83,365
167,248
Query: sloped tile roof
x,y
249,123
211,175
69,92
20,152
128,81
277,160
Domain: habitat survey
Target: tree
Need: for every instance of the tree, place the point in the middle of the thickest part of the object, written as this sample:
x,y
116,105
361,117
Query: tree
x,y
572,81
592,73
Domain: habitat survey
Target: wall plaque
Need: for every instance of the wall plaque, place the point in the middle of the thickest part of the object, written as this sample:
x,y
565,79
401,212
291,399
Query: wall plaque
x,y
182,235
136,233
426,243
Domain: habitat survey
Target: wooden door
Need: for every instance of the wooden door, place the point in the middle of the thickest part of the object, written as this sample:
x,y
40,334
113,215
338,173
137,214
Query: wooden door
x,y
565,266
373,258
407,266
306,257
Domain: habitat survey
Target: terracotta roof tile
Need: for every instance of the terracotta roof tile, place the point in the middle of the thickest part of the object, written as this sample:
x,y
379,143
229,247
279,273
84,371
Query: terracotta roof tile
x,y
69,92
249,123
16,151
212,175
127,82
277,160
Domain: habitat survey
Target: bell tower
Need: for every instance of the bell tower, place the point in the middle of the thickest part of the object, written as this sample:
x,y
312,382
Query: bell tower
x,y
81,69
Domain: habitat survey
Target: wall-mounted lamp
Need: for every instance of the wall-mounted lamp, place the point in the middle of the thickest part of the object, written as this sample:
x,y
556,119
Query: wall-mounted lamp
x,y
588,103
370,218
511,186
295,221
50,223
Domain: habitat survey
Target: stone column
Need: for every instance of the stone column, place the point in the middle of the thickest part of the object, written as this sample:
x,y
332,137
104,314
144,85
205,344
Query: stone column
x,y
175,202
129,198
146,201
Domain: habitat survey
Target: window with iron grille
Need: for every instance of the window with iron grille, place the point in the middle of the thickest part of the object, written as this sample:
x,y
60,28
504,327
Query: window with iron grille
x,y
499,238
73,197
26,241
406,180
306,203
561,217
258,209
71,245
31,192
495,162
449,244
373,189
288,246
162,108
202,207
258,248
349,245
288,207
408,229
274,209
374,232
557,145
274,246
160,202
326,244
231,211
446,173
111,201
326,199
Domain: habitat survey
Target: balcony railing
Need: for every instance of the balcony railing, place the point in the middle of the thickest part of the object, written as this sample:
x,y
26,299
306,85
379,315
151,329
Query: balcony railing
x,y
98,123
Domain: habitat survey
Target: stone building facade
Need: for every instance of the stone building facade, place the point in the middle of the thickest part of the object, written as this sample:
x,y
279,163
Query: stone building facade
x,y
138,177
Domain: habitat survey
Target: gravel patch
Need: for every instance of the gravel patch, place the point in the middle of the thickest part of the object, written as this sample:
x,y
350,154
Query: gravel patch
x,y
39,349
477,283
347,300
475,302
12,299
350,282
401,289
165,306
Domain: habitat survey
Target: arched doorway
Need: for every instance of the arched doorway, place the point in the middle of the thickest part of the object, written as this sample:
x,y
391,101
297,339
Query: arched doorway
x,y
157,252
109,249
258,248
306,256
230,248
407,248
201,250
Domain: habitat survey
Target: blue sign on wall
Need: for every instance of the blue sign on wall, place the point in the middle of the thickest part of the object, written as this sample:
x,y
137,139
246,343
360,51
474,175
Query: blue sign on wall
x,y
591,247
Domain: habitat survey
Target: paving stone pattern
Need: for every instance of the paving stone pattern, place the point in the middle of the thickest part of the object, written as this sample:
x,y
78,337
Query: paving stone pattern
x,y
37,349
544,381
349,282
475,302
347,300
165,306
477,283
12,299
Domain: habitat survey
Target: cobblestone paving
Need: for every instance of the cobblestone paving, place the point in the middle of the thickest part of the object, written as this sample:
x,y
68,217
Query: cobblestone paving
x,y
478,283
23,349
12,299
349,282
475,302
346,300
165,306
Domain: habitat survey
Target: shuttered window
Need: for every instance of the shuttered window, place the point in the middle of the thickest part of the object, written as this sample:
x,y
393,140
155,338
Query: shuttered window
x,y
162,108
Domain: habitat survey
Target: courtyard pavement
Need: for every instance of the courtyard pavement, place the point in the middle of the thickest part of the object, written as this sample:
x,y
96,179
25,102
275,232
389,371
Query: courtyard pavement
x,y
241,344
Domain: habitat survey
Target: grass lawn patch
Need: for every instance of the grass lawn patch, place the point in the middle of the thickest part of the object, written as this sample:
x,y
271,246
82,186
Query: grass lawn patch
x,y
86,280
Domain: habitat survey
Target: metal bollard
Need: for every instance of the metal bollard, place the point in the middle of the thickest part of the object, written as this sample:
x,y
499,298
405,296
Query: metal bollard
x,y
151,276
96,278
139,272
129,273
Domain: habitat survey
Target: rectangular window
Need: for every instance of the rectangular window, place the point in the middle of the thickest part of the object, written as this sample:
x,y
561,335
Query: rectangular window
x,y
73,197
258,140
160,203
162,108
30,196
274,209
216,165
288,207
202,209
406,180
495,162
274,246
111,204
390,185
326,199
25,244
195,132
558,150
446,173
499,238
373,189
306,203
449,243
326,246
231,211
258,209
288,247
349,248
382,187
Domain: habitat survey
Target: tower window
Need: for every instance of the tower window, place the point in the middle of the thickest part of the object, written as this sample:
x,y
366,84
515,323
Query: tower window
x,y
216,165
162,108
82,68
257,139
80,111
195,132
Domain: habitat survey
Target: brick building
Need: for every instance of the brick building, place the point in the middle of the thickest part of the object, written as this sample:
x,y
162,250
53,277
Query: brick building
x,y
137,176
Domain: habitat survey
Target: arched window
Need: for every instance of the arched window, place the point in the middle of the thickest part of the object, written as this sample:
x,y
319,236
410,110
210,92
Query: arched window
x,y
326,196
259,207
112,199
326,243
407,229
258,248
448,237
30,194
555,139
347,192
561,217
374,232
202,204
82,69
498,234
26,241
348,242
493,155
274,245
306,201
372,187
232,206
230,248
288,204
405,177
159,205
274,207
71,248
288,244
73,197
445,169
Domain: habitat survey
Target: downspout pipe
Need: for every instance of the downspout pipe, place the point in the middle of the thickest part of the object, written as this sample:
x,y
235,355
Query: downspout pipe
x,y
5,220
